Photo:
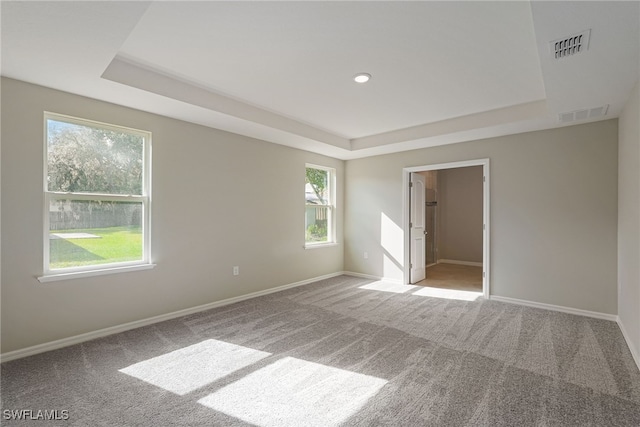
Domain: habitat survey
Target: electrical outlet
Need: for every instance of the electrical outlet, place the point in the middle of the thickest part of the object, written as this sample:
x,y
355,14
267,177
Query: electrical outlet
x,y
236,270
366,255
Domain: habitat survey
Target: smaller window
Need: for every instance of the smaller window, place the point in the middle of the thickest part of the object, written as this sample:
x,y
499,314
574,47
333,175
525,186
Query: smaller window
x,y
320,205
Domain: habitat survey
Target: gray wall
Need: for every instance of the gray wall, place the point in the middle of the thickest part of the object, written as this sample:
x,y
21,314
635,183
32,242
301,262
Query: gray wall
x,y
553,212
629,221
460,214
207,187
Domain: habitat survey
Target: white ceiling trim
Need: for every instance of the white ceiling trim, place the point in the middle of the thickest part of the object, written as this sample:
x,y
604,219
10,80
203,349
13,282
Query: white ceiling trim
x,y
127,72
516,113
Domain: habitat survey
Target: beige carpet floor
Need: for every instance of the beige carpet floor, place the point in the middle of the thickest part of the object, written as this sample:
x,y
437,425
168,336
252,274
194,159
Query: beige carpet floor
x,y
453,276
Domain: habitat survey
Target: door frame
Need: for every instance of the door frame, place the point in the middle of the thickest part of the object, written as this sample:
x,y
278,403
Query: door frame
x,y
486,219
416,217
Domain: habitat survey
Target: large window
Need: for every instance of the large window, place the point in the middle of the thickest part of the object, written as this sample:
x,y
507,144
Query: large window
x,y
96,191
320,205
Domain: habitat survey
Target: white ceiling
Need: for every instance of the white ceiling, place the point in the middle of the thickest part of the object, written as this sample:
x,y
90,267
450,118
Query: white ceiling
x,y
443,72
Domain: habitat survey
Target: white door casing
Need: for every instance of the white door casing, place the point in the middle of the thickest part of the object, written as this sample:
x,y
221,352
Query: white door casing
x,y
408,172
418,230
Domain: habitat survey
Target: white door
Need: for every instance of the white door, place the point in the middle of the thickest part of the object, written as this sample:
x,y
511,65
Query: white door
x,y
418,230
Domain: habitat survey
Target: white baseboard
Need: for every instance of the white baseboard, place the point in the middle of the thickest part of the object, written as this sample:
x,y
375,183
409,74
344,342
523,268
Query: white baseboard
x,y
77,339
454,261
563,309
372,277
634,353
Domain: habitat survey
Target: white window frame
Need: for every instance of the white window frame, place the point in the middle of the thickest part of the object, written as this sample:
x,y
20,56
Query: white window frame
x,y
331,209
145,199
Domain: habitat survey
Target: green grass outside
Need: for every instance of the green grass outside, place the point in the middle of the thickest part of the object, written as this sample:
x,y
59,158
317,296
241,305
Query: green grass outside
x,y
116,244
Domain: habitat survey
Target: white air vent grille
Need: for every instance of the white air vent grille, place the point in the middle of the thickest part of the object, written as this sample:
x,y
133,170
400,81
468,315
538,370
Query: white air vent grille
x,y
570,46
587,113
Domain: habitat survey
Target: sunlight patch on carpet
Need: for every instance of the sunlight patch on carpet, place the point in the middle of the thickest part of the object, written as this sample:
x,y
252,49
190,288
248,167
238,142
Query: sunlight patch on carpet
x,y
293,392
381,285
195,366
448,294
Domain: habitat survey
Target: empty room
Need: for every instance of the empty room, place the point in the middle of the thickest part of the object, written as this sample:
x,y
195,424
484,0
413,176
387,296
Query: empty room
x,y
272,214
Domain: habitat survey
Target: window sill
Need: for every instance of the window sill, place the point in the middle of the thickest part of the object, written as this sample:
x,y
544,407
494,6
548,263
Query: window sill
x,y
101,272
320,245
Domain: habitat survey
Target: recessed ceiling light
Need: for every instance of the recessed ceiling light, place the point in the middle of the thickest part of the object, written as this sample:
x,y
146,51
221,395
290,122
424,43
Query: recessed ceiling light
x,y
361,77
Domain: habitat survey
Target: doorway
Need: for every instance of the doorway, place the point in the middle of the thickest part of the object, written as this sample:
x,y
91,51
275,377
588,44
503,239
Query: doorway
x,y
424,211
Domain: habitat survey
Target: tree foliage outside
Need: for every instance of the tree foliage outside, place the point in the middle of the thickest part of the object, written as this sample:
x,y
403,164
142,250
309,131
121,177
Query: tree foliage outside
x,y
318,179
84,159
317,232
316,227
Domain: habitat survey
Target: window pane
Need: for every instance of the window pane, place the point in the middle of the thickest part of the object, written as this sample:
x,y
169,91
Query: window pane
x,y
317,187
94,232
316,224
84,159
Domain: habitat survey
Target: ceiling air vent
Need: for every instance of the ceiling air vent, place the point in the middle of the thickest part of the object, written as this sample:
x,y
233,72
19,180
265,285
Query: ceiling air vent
x,y
571,45
584,114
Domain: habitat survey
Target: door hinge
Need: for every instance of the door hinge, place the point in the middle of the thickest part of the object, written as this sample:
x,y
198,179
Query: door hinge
x,y
410,225
484,275
410,265
410,184
484,179
484,226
